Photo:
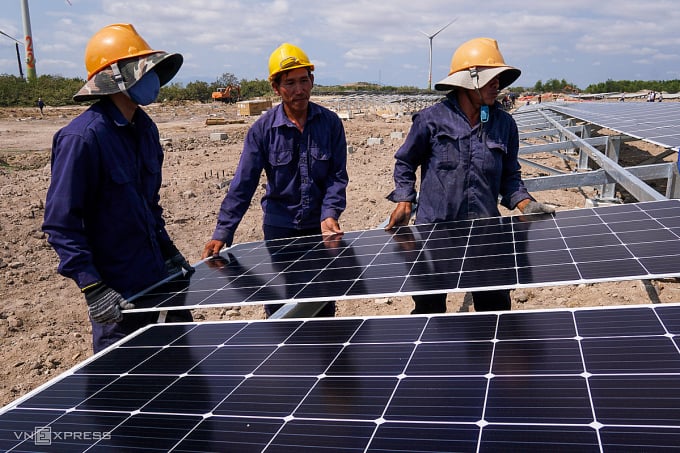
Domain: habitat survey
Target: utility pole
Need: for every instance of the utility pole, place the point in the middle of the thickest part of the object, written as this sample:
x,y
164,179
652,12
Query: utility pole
x,y
31,74
430,38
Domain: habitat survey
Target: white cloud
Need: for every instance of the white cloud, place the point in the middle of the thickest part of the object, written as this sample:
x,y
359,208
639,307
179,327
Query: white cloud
x,y
358,39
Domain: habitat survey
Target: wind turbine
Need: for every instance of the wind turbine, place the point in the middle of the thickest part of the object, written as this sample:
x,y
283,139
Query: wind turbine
x,y
431,37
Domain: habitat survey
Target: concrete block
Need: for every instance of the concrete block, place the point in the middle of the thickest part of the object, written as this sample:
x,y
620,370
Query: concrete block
x,y
345,115
398,135
216,136
350,149
374,141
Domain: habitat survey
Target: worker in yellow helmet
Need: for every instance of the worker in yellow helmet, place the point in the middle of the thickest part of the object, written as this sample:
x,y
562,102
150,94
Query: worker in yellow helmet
x,y
301,147
102,213
467,147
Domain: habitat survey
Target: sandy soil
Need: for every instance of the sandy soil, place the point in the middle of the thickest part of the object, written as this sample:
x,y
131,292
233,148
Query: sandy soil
x,y
43,325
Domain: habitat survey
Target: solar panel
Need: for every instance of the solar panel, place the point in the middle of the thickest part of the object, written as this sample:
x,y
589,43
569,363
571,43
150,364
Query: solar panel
x,y
622,242
599,379
657,123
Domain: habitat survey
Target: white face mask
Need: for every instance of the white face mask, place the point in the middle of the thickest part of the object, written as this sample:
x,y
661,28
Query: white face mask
x,y
146,90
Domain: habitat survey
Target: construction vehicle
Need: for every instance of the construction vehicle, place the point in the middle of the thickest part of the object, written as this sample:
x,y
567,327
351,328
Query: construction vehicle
x,y
229,94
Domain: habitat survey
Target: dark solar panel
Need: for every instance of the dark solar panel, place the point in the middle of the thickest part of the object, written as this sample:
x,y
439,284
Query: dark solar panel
x,y
623,242
599,379
657,123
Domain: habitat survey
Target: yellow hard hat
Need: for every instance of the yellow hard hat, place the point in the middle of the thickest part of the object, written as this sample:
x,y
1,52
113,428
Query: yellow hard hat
x,y
483,55
287,57
111,44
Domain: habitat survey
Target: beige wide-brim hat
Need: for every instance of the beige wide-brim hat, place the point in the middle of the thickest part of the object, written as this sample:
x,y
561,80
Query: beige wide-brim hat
x,y
132,70
465,78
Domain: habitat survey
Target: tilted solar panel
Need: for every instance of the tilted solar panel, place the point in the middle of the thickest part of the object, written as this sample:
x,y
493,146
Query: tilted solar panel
x,y
604,379
623,242
657,123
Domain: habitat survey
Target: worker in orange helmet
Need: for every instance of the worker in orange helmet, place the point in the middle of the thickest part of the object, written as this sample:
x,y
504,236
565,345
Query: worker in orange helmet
x,y
102,213
301,147
466,147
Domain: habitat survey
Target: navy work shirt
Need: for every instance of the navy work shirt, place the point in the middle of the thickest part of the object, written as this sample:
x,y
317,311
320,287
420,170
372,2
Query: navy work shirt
x,y
463,170
306,172
102,212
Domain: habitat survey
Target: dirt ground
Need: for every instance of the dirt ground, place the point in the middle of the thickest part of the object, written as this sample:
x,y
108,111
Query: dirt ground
x,y
43,323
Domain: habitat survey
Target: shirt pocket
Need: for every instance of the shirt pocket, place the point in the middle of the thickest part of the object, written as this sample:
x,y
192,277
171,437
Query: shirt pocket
x,y
320,163
278,158
493,160
446,151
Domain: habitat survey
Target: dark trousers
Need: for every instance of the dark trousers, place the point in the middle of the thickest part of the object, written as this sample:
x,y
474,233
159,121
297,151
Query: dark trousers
x,y
104,335
273,232
482,301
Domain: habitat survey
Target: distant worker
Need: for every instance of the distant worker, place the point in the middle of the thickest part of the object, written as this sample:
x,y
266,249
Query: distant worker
x,y
301,147
466,147
41,105
102,212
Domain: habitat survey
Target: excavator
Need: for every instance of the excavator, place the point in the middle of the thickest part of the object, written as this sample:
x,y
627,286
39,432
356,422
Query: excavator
x,y
228,94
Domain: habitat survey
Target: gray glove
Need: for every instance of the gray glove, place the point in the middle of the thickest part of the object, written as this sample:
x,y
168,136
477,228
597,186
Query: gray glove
x,y
535,207
174,261
104,304
176,264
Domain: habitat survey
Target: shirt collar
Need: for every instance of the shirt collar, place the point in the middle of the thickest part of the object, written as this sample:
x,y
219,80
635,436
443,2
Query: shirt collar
x,y
280,118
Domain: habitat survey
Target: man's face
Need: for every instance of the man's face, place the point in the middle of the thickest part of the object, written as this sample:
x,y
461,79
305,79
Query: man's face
x,y
490,91
295,87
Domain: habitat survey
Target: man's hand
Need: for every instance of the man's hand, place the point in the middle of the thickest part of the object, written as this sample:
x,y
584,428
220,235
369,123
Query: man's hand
x,y
401,215
329,226
104,304
212,248
534,207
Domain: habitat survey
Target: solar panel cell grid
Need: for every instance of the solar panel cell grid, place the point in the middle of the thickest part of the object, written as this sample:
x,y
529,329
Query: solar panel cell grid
x,y
651,121
623,242
579,380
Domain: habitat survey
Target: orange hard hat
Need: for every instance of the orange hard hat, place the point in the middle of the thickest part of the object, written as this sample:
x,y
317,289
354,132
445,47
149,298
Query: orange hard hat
x,y
475,63
476,52
113,43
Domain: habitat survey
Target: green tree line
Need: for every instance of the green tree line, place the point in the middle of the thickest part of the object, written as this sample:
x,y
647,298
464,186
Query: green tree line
x,y
57,91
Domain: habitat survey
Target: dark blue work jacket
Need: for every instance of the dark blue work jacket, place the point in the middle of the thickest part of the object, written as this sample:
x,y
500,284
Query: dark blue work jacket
x,y
102,212
306,172
463,170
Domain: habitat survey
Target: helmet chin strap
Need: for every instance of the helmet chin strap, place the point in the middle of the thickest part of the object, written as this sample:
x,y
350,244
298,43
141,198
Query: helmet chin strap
x,y
118,78
484,109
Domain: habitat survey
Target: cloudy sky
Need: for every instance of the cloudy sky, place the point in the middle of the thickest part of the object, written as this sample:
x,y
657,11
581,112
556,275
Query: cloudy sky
x,y
582,41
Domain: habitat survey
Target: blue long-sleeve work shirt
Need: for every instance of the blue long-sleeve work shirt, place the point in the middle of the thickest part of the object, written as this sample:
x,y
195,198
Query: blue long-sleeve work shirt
x,y
102,211
463,171
306,172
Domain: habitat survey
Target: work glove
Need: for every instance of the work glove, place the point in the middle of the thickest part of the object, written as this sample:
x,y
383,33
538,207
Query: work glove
x,y
174,260
104,304
535,207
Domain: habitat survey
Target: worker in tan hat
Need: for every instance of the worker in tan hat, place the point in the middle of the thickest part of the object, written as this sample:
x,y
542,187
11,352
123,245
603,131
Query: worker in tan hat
x,y
102,213
466,147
